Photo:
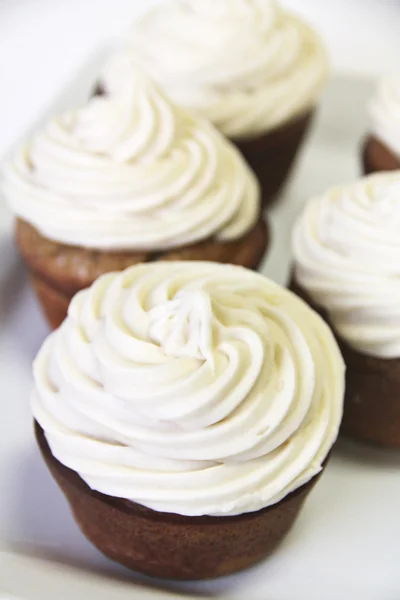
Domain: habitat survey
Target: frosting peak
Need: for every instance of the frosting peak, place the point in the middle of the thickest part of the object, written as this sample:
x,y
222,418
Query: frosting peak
x,y
347,254
121,126
247,65
183,326
191,388
131,171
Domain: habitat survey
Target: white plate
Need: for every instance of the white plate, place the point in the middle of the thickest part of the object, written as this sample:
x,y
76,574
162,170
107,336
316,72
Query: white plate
x,y
345,543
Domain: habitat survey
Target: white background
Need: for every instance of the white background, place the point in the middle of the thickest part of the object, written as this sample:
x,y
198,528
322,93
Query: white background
x,y
43,42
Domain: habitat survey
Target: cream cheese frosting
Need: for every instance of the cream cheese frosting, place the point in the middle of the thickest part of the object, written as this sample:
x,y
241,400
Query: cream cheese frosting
x,y
131,171
346,247
247,65
385,114
190,388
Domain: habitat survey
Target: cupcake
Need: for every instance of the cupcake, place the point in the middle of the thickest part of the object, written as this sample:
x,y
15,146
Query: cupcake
x,y
253,69
381,151
346,248
186,410
129,178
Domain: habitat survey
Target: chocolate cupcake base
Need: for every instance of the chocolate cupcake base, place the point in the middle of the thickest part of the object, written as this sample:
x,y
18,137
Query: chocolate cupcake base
x,y
169,545
272,155
58,271
372,399
376,157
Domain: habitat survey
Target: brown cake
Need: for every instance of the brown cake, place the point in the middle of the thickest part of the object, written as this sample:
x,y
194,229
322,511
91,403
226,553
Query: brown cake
x,y
377,157
371,407
58,271
127,178
253,69
176,411
272,155
169,545
344,246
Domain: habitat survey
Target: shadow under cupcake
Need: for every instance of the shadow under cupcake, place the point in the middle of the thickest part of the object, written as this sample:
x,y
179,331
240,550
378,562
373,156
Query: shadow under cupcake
x,y
346,248
129,178
253,69
186,410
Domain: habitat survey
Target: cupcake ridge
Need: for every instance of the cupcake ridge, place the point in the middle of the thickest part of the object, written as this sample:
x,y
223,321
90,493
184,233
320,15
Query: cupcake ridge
x,y
238,411
130,170
247,65
346,246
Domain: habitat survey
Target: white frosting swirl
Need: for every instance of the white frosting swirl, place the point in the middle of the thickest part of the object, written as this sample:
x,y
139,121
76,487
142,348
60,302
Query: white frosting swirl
x,y
347,257
130,171
247,65
385,114
191,388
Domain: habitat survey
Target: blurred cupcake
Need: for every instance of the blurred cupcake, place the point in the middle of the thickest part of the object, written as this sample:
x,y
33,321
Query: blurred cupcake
x,y
186,410
347,266
129,178
253,69
381,150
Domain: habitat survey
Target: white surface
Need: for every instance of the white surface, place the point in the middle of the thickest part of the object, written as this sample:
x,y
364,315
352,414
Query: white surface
x,y
42,42
345,543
